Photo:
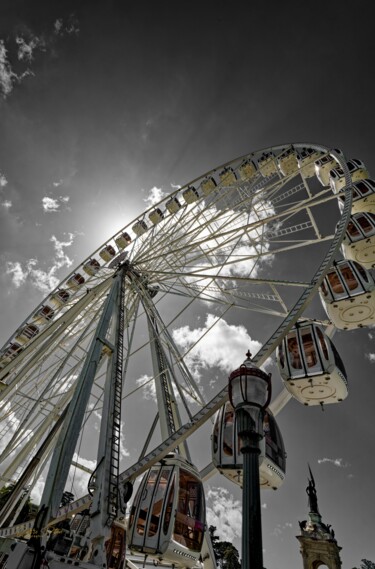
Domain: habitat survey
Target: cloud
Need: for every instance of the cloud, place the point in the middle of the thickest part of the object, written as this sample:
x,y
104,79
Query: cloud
x,y
68,26
42,280
7,204
225,513
147,384
54,204
216,344
25,49
7,75
280,528
339,462
371,357
18,274
154,196
3,181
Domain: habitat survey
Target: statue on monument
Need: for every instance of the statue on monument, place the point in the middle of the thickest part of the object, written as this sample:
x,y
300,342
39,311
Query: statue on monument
x,y
311,492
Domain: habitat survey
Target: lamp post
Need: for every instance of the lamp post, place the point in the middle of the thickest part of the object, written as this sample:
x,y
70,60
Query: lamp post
x,y
250,394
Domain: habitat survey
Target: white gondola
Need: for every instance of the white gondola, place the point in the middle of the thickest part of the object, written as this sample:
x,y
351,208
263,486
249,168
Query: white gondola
x,y
10,353
107,253
75,281
310,366
208,185
227,176
306,159
173,205
247,169
140,227
190,195
287,162
43,315
267,164
357,171
324,165
156,215
359,241
167,518
227,457
91,267
26,333
59,298
348,296
363,197
123,240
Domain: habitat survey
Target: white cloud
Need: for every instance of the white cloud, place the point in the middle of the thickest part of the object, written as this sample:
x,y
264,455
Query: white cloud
x,y
176,186
7,75
280,528
25,50
68,26
18,274
57,184
7,204
223,346
154,196
44,281
225,513
147,385
3,180
54,204
371,357
339,462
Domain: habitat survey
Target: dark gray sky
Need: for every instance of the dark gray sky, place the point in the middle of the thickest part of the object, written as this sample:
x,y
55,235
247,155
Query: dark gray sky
x,y
103,101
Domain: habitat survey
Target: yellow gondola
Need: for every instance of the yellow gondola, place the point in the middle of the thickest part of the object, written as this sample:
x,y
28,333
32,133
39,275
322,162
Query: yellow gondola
x,y
359,241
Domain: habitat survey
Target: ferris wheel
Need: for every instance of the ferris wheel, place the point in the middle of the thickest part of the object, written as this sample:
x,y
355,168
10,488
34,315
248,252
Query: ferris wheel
x,y
112,358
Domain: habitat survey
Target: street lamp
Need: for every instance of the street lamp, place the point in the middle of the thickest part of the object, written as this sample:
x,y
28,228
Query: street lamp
x,y
250,394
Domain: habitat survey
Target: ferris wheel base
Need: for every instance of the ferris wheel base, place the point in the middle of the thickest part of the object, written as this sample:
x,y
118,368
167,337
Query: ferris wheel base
x,y
23,557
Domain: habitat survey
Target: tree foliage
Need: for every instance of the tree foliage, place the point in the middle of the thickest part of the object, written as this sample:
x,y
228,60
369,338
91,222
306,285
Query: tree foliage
x,y
226,554
5,492
366,564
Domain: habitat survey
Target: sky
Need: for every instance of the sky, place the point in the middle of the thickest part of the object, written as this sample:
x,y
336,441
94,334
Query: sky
x,y
104,106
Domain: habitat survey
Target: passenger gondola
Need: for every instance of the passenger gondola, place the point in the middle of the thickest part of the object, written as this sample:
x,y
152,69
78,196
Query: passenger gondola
x,y
140,227
359,241
311,367
227,456
26,334
208,185
107,253
173,205
75,281
363,197
123,240
357,171
287,162
91,267
324,165
43,315
228,176
247,169
190,195
348,296
59,298
156,215
267,164
167,518
306,161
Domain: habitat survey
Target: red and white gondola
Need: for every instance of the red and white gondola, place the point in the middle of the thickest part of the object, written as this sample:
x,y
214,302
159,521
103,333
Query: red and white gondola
x,y
311,367
348,296
227,456
167,518
359,241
